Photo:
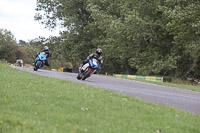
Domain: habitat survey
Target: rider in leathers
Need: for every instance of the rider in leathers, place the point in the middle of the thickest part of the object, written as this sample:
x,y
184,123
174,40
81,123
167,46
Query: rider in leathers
x,y
96,56
48,53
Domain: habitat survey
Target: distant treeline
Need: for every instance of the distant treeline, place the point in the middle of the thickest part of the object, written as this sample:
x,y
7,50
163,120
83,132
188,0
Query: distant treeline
x,y
144,37
11,50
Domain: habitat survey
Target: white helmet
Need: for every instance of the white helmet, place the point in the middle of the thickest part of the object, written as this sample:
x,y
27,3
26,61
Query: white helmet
x,y
46,48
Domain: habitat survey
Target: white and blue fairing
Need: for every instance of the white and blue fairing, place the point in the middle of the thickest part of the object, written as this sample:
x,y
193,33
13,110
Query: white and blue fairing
x,y
92,63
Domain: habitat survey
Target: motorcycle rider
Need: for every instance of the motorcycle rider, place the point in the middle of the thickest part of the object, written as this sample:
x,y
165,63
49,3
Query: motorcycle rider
x,y
48,53
96,56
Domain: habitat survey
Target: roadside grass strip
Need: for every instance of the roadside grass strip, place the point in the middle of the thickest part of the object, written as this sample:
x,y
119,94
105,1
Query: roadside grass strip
x,y
31,103
158,81
147,78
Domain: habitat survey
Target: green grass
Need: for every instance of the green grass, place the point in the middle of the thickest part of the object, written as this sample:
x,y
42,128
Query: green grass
x,y
34,104
182,86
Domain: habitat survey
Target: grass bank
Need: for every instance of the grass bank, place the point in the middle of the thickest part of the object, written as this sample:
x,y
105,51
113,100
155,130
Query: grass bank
x,y
34,104
179,84
182,86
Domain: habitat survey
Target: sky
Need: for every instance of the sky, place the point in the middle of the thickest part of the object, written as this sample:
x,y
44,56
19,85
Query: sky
x,y
17,16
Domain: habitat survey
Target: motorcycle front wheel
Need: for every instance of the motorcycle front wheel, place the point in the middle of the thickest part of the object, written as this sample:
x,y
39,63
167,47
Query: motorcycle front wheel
x,y
80,75
37,66
86,74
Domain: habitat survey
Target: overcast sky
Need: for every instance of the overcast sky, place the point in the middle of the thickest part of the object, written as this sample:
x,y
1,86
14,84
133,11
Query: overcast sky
x,y
17,16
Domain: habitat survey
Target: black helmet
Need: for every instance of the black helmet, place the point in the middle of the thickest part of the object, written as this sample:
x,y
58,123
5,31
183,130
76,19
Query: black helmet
x,y
99,51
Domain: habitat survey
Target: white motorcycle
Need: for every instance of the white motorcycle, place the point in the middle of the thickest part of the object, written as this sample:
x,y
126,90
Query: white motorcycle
x,y
88,69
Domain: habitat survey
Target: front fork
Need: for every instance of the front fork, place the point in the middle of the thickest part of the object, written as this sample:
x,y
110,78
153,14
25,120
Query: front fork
x,y
91,72
94,71
81,70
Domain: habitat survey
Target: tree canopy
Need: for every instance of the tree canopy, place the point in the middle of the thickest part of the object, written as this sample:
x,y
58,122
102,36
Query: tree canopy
x,y
147,37
9,50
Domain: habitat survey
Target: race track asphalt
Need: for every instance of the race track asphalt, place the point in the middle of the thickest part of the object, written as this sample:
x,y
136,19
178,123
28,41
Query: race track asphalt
x,y
186,100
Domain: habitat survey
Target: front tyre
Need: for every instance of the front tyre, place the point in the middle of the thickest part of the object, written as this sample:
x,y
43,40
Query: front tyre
x,y
87,74
37,66
79,76
35,69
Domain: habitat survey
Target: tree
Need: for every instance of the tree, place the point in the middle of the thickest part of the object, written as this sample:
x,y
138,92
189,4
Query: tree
x,y
157,37
183,25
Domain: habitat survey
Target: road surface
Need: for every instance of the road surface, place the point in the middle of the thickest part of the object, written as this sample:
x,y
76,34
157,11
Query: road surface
x,y
178,98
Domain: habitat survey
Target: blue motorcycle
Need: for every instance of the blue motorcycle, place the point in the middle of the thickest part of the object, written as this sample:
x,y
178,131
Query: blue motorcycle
x,y
40,60
88,69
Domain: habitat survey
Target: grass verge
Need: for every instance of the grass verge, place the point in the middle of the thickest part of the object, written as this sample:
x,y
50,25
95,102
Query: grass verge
x,y
176,85
182,86
34,104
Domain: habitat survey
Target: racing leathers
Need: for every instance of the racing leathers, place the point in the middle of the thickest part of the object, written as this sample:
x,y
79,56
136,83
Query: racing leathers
x,y
94,56
48,53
